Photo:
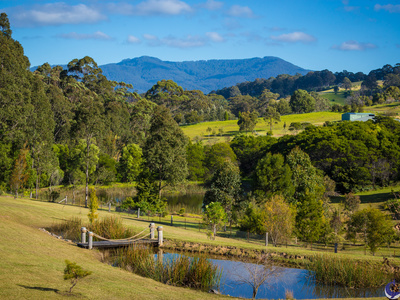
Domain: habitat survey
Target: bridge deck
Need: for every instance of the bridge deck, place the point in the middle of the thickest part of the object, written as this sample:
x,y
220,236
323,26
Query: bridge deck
x,y
118,244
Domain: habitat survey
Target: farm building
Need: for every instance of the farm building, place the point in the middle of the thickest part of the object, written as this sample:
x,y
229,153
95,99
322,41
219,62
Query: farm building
x,y
357,117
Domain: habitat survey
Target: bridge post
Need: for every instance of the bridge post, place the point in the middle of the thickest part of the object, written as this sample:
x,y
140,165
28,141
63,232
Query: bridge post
x,y
90,240
152,227
83,234
160,235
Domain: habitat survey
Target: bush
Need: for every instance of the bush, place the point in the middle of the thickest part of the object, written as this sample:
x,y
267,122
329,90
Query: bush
x,y
74,272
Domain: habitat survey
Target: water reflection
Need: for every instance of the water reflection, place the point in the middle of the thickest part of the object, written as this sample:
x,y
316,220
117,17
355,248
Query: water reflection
x,y
297,281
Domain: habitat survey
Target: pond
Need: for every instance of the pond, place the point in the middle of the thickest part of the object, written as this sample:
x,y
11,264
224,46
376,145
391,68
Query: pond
x,y
297,281
191,202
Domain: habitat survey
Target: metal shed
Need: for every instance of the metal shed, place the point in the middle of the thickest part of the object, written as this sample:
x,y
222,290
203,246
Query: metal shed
x,y
357,116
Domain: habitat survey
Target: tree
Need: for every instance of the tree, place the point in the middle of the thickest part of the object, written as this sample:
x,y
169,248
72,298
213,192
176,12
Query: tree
x,y
224,187
375,228
130,163
302,102
165,150
310,219
271,115
74,273
196,161
346,83
256,273
273,176
20,173
306,178
93,205
351,202
214,214
247,121
278,219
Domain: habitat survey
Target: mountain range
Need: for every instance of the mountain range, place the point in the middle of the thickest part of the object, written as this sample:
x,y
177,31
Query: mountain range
x,y
204,75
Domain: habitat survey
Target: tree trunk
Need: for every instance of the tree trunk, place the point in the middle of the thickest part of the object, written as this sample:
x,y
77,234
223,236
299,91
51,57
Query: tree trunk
x,y
87,174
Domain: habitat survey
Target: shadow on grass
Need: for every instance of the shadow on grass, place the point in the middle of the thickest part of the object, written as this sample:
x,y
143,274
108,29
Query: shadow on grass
x,y
39,288
374,198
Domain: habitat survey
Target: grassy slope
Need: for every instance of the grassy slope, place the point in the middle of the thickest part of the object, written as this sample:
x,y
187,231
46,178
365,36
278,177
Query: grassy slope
x,y
32,267
230,128
32,262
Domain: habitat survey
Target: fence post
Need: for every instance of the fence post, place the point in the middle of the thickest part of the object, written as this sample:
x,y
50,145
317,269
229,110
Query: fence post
x,y
138,213
266,239
172,220
160,235
152,226
66,199
83,234
90,240
109,207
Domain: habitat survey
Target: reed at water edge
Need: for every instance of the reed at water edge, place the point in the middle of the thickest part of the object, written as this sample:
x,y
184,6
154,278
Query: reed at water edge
x,y
198,273
347,272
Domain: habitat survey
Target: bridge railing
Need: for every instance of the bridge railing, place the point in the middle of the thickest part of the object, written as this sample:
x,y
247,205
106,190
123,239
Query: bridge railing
x,y
140,236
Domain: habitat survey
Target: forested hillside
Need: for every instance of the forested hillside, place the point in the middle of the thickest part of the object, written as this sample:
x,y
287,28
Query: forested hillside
x,y
74,126
206,75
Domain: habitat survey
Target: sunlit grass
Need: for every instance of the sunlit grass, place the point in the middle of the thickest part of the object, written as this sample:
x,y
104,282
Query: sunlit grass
x,y
230,128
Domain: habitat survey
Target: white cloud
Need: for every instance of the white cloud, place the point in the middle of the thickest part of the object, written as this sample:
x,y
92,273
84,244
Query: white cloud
x,y
54,14
149,37
392,8
133,39
294,37
161,7
212,5
353,46
98,35
189,41
240,11
215,37
186,42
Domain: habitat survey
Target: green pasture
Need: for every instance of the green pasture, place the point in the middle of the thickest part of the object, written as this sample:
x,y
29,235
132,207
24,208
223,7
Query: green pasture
x,y
226,130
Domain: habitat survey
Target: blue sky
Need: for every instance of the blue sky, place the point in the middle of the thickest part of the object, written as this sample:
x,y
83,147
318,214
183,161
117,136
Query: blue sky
x,y
327,34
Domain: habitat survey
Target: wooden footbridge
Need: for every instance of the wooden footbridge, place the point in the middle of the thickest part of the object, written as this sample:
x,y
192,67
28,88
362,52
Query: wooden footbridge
x,y
140,238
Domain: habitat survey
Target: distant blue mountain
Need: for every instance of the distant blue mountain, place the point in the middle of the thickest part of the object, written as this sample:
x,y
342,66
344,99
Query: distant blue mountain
x,y
205,75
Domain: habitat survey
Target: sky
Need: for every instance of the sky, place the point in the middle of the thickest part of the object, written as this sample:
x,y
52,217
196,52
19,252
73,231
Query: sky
x,y
352,35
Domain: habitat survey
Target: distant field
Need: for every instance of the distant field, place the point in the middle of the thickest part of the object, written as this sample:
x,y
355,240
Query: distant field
x,y
339,97
334,98
226,130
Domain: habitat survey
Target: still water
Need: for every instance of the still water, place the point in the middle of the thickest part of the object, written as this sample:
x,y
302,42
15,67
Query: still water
x,y
297,281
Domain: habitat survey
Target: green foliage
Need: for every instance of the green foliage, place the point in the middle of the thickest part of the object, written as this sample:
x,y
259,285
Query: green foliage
x,y
130,163
278,219
249,150
271,115
74,273
196,161
273,176
198,273
252,219
224,187
374,227
310,219
93,205
165,150
393,205
302,102
306,178
247,121
351,202
214,215
345,272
